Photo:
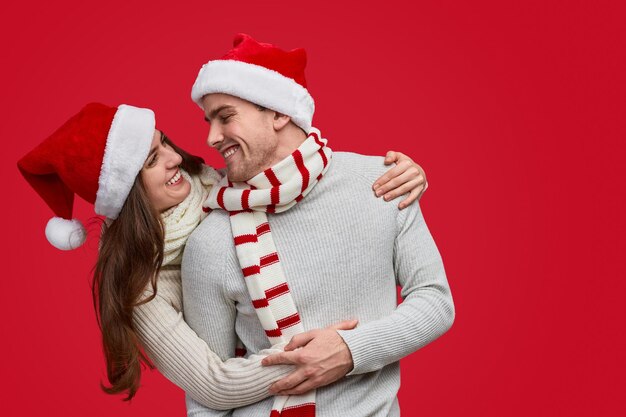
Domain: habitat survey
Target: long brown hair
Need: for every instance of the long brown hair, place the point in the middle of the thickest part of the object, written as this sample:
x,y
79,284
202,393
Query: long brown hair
x,y
129,259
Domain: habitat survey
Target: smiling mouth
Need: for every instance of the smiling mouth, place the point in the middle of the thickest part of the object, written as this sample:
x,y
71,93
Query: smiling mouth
x,y
230,151
175,179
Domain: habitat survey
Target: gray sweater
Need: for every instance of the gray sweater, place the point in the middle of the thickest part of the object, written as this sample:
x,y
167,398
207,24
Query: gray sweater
x,y
343,252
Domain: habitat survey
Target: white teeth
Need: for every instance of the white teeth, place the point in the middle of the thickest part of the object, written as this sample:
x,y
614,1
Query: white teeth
x,y
230,151
175,178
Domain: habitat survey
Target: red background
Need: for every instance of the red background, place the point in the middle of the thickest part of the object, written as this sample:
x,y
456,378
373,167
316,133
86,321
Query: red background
x,y
515,110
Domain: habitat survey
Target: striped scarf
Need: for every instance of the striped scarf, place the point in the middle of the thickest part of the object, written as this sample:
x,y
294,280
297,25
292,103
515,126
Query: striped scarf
x,y
275,190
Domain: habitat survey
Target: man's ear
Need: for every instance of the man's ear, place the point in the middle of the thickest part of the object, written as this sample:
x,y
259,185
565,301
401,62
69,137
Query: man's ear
x,y
280,121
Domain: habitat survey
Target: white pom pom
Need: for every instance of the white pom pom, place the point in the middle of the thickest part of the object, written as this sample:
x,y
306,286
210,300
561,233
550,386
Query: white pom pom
x,y
65,234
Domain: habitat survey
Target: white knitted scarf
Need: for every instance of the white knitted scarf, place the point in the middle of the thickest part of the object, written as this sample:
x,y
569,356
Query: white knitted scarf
x,y
273,191
181,220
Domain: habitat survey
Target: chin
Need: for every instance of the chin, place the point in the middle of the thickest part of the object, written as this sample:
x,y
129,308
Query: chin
x,y
242,175
235,176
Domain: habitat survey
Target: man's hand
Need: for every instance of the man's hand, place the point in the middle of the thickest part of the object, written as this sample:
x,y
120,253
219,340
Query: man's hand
x,y
321,357
405,177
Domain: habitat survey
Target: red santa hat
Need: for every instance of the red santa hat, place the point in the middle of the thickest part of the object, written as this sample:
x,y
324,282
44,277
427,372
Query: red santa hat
x,y
262,74
96,154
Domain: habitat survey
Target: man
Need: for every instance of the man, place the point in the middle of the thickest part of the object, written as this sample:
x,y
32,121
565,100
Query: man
x,y
341,250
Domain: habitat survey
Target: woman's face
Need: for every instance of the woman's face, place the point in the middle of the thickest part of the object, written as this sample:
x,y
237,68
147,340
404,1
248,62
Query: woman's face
x,y
161,175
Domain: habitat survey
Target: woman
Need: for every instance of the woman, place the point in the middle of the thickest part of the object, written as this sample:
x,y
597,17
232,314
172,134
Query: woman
x,y
151,193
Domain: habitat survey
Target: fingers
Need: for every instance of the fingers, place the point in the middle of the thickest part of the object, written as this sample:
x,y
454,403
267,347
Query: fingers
x,y
381,183
283,358
408,186
344,325
289,382
300,340
414,195
402,157
302,388
397,186
393,157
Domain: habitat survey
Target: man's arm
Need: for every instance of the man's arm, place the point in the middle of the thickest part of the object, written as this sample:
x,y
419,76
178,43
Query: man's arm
x,y
425,314
427,311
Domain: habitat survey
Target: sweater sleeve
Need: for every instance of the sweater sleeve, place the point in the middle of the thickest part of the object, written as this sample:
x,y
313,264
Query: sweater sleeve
x,y
427,310
187,361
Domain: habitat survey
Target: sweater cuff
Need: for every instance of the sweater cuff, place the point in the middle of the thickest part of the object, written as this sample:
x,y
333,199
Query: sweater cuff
x,y
357,344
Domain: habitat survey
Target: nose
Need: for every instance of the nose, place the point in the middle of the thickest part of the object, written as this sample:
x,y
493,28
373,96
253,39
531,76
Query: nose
x,y
215,136
173,158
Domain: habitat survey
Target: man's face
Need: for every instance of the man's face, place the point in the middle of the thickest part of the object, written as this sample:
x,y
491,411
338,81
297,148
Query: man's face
x,y
243,133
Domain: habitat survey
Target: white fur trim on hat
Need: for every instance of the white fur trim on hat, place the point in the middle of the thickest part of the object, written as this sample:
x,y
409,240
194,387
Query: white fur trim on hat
x,y
65,234
258,85
126,150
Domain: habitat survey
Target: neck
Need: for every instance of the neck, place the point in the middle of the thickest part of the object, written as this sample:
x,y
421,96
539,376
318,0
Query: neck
x,y
289,139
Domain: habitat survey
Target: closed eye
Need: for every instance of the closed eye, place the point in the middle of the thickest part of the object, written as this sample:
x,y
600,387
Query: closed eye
x,y
153,160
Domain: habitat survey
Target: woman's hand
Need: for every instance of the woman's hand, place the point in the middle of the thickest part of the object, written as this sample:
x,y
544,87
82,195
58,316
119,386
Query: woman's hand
x,y
405,177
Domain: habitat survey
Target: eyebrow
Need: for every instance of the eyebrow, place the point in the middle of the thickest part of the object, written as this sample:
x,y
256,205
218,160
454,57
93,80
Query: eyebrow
x,y
216,111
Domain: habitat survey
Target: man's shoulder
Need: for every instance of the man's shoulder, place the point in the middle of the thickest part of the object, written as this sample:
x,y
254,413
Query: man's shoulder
x,y
368,168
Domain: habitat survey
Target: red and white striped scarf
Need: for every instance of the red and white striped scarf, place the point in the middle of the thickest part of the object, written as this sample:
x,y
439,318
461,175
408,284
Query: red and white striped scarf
x,y
275,190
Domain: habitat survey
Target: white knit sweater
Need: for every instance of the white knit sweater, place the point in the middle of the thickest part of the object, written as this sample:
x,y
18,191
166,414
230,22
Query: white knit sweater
x,y
178,352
